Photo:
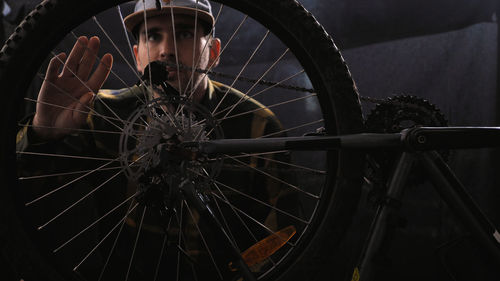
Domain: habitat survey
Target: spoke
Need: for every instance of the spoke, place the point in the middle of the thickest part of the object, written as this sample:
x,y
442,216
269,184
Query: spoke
x,y
258,109
259,201
80,111
77,130
170,116
270,106
293,128
227,226
205,72
258,93
135,244
88,194
104,238
241,71
179,241
136,149
203,240
65,174
277,84
274,178
194,273
193,66
111,69
255,154
95,222
151,112
133,69
175,45
144,121
202,124
74,110
118,8
234,211
245,96
106,118
179,248
162,249
289,164
54,105
259,153
68,183
270,231
88,88
202,51
67,156
239,218
160,257
147,44
79,200
122,221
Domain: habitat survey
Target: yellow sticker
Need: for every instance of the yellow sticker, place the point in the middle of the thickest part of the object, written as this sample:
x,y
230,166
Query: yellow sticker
x,y
355,275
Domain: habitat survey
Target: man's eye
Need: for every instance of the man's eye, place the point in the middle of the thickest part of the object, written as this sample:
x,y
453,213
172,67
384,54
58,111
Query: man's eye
x,y
153,37
184,34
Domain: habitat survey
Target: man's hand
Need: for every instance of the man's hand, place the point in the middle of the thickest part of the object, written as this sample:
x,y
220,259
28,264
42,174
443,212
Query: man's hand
x,y
65,97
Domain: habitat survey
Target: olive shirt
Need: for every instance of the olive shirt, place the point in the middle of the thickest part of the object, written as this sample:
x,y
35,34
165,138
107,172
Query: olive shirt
x,y
258,122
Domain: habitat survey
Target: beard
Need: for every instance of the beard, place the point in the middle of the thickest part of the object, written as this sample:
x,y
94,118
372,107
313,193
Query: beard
x,y
186,83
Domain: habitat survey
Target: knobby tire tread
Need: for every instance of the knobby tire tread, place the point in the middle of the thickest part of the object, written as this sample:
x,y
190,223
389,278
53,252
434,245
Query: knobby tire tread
x,y
40,31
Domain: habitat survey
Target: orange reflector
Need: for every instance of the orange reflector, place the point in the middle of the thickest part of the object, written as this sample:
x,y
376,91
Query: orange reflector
x,y
267,246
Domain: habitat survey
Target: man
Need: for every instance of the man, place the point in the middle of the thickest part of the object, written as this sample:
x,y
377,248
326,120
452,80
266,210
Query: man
x,y
171,38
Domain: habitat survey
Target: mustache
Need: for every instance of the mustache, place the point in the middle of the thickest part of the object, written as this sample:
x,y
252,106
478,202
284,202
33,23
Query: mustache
x,y
169,64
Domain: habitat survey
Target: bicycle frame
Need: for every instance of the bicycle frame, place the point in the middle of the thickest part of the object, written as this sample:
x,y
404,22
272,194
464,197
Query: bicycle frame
x,y
418,145
414,139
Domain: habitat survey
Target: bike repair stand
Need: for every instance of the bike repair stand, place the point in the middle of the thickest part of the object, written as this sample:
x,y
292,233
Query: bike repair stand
x,y
390,203
421,144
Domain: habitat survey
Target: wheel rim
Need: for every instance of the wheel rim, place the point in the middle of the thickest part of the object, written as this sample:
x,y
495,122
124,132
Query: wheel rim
x,y
300,163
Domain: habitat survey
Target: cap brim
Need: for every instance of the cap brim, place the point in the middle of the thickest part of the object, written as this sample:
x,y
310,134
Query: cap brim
x,y
133,20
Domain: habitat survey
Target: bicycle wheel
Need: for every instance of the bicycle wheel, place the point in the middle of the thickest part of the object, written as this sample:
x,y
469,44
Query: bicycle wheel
x,y
80,219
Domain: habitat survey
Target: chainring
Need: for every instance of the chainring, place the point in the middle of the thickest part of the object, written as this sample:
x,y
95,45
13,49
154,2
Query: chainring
x,y
392,116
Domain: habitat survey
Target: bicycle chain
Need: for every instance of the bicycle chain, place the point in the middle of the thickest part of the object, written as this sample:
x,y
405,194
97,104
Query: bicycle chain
x,y
245,79
267,83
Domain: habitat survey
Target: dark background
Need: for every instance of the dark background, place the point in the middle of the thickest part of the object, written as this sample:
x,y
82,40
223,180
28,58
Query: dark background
x,y
447,52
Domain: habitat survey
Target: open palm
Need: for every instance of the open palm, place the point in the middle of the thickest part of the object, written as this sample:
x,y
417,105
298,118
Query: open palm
x,y
65,97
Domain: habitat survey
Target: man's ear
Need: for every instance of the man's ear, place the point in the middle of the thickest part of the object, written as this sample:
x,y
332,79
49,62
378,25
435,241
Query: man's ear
x,y
137,59
214,52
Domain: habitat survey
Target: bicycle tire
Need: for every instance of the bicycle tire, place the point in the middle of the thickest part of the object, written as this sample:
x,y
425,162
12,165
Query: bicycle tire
x,y
296,27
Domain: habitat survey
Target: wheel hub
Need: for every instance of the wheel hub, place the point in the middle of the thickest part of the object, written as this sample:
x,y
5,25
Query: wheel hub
x,y
153,153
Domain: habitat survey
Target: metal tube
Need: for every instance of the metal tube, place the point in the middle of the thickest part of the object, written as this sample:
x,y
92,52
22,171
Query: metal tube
x,y
356,141
379,224
459,201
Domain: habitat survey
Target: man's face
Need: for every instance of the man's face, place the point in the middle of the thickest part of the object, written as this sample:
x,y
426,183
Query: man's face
x,y
160,41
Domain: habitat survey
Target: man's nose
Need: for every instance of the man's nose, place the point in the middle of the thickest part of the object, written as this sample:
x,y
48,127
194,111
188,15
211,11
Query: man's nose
x,y
167,49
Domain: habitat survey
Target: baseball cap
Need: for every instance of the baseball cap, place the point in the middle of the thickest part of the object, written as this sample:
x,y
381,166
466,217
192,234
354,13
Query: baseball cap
x,y
178,7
